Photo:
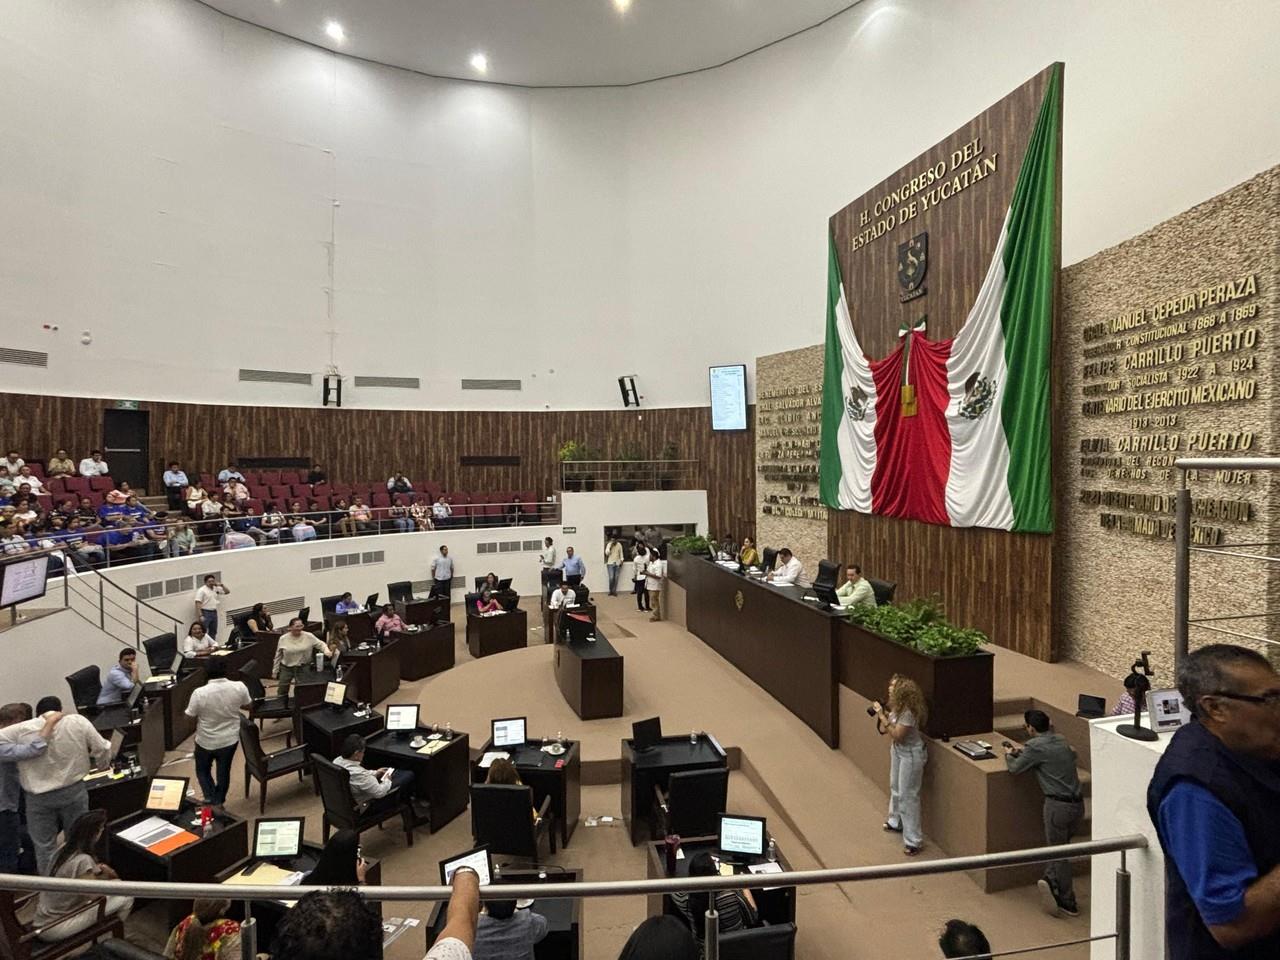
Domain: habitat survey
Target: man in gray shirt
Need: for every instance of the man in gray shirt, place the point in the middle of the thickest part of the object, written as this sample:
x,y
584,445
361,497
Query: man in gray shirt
x,y
505,933
441,574
1054,762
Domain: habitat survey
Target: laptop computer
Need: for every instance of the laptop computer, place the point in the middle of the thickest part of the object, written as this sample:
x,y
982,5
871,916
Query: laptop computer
x,y
1090,707
646,733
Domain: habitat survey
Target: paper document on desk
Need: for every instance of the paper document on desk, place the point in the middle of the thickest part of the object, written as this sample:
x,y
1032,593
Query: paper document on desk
x,y
769,867
433,747
267,875
149,830
487,760
222,653
160,678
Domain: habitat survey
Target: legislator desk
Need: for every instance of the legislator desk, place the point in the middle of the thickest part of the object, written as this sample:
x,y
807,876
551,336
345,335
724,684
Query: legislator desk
x,y
119,794
589,673
324,728
268,913
773,905
487,635
222,843
371,673
359,625
441,778
551,618
425,649
539,770
564,915
643,770
424,610
260,649
785,644
173,696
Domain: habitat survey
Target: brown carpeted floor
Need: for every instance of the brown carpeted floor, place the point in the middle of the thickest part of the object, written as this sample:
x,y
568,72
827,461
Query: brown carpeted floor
x,y
830,816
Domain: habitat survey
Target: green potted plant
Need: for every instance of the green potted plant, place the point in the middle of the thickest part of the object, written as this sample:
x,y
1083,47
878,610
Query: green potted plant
x,y
624,478
695,545
573,451
667,472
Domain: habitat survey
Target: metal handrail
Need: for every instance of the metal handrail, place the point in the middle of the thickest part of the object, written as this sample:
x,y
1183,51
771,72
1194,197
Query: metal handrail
x,y
642,474
597,888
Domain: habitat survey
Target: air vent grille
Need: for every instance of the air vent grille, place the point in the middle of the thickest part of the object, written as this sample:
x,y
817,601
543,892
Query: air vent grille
x,y
27,358
404,383
275,376
347,560
492,385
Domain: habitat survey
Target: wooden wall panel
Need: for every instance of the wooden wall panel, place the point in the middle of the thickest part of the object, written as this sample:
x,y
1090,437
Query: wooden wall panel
x,y
367,444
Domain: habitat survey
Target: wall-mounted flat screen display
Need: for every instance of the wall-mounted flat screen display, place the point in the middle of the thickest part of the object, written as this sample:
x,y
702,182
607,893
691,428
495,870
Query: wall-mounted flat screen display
x,y
23,580
729,397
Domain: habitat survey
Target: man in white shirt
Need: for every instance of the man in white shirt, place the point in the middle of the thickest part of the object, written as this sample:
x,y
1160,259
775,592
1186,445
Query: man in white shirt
x,y
230,472
561,599
788,570
655,572
547,560
15,855
30,479
442,574
441,511
54,781
216,708
13,463
94,466
383,786
208,599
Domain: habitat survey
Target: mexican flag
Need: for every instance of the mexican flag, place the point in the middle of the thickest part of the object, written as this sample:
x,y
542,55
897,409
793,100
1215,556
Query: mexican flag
x,y
956,432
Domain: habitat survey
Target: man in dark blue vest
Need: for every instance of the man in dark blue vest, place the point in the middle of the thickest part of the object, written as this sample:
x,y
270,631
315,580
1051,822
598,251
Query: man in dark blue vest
x,y
1215,802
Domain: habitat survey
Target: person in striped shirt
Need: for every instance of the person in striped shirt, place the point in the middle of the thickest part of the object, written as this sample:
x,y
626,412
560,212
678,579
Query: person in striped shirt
x,y
737,908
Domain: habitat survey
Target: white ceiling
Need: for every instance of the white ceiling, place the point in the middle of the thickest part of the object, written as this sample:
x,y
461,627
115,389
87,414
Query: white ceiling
x,y
541,42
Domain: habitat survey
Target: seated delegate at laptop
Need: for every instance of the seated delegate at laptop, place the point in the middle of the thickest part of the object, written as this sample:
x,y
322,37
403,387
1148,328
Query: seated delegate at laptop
x,y
789,569
348,605
121,679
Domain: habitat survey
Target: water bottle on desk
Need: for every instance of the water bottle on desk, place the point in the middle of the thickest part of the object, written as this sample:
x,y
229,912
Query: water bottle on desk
x,y
693,737
337,673
772,855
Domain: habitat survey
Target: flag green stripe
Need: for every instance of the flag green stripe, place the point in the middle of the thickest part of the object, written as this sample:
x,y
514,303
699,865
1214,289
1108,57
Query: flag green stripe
x,y
1026,313
830,469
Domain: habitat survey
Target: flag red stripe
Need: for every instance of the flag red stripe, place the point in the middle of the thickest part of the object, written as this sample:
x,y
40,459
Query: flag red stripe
x,y
913,454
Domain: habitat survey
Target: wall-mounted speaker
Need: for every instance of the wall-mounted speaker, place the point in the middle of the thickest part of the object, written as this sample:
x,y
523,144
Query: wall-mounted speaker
x,y
332,390
627,385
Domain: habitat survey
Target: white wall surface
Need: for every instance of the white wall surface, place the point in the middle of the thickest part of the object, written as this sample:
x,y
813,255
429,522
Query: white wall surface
x,y
169,171
1121,769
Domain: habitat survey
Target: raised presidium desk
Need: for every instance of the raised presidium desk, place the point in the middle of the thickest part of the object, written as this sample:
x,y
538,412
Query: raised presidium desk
x,y
773,905
372,672
801,653
548,776
200,860
439,767
325,727
589,673
424,610
564,916
425,649
174,693
284,873
487,635
644,769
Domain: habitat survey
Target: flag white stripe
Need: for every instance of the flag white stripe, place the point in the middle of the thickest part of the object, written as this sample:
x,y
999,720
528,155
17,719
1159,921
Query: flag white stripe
x,y
856,439
977,492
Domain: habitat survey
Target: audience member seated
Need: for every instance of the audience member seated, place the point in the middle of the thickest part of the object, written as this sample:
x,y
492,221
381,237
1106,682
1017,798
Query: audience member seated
x,y
87,511
12,540
359,517
420,514
317,517
259,621
77,860
123,541
347,605
960,939
215,506
299,523
197,643
329,925
660,938
272,524
83,552
505,933
94,466
196,496
458,938
441,511
236,540
503,771
230,473
340,863
7,487
295,654
31,480
175,482
399,514
182,539
113,507
399,484
13,463
316,476
236,490
60,465
737,908
1126,704
120,679
382,787
133,507
856,589
339,639
205,933
389,622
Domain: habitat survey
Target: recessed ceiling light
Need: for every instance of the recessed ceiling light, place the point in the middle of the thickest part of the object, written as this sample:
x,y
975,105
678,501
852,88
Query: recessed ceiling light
x,y
479,63
335,31
622,5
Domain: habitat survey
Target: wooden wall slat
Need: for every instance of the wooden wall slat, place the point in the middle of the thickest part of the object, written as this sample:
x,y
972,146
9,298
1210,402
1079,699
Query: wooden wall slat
x,y
369,444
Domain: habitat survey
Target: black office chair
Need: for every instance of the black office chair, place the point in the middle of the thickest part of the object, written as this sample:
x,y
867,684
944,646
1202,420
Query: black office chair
x,y
263,707
340,808
304,613
582,593
329,606
769,558
692,803
828,571
769,942
400,592
240,632
86,684
883,589
160,651
263,766
500,819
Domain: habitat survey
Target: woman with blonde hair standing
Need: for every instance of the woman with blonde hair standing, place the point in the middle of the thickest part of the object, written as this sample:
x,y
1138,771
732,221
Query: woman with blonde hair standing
x,y
902,721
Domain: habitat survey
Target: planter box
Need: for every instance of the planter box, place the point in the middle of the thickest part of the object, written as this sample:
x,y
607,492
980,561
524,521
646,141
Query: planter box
x,y
959,690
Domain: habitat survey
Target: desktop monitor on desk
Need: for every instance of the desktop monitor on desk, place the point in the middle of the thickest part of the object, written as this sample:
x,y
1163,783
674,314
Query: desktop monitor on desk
x,y
509,732
826,594
277,838
371,601
402,718
504,584
579,627
646,733
741,837
165,795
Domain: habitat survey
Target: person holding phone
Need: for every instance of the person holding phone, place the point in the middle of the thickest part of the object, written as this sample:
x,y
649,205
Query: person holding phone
x,y
340,863
906,714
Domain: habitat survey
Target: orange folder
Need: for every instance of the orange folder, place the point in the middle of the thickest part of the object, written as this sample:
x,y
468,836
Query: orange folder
x,y
170,844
